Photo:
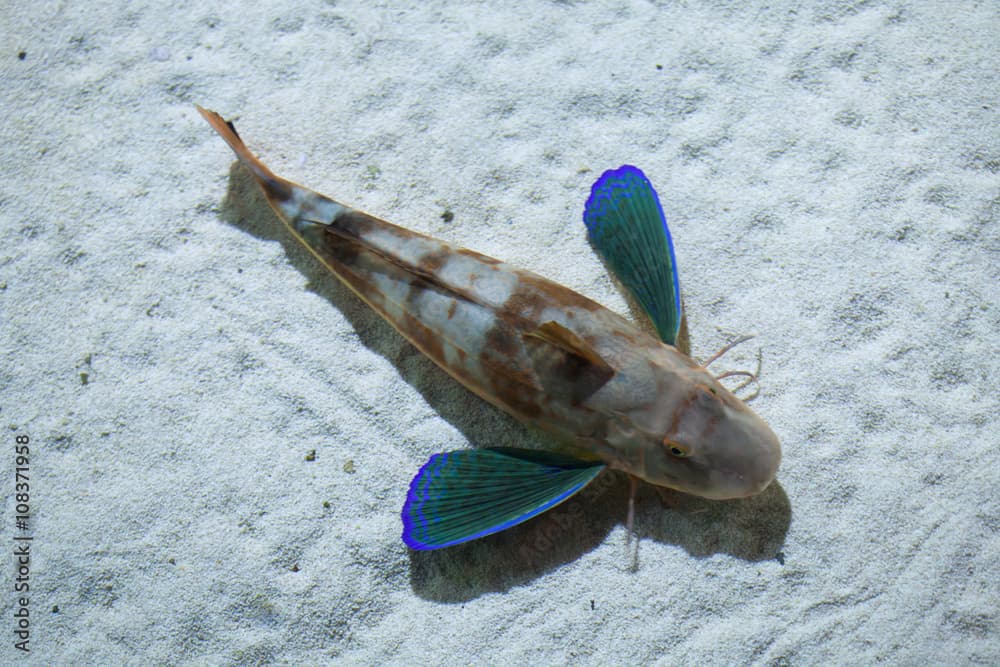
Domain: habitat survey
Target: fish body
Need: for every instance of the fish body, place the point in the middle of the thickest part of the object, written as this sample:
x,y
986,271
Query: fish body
x,y
611,394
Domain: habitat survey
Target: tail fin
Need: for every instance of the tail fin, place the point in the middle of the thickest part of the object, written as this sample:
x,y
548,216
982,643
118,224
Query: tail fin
x,y
274,186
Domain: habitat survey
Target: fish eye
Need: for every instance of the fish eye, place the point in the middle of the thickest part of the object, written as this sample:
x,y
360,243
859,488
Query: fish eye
x,y
677,450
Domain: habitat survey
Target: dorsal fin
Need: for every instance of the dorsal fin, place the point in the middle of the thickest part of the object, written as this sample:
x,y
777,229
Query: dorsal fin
x,y
565,363
558,335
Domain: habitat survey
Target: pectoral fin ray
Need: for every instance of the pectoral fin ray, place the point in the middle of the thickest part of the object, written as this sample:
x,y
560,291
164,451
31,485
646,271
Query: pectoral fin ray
x,y
626,226
461,496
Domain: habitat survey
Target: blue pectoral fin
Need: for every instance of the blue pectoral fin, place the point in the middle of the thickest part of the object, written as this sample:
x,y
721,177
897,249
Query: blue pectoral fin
x,y
467,494
626,226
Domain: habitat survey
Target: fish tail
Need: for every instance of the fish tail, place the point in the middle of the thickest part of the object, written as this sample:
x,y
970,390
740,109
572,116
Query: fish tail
x,y
334,233
276,188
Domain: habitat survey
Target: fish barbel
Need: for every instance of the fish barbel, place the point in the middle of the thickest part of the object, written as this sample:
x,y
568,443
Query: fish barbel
x,y
611,394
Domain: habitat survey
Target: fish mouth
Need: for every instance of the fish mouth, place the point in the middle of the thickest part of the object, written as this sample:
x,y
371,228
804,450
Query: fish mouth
x,y
731,485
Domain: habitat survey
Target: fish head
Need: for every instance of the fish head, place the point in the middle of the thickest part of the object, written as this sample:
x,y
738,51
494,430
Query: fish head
x,y
698,438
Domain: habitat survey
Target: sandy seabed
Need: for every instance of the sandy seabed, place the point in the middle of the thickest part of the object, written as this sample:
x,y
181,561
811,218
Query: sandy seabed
x,y
220,436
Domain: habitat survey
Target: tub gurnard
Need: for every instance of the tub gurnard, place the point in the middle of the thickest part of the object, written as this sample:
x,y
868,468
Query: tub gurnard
x,y
611,395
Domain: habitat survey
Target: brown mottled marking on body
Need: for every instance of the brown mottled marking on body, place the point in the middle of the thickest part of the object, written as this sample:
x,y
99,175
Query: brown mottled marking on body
x,y
502,342
423,338
629,336
534,294
431,262
344,250
502,361
353,224
278,189
485,259
452,308
363,223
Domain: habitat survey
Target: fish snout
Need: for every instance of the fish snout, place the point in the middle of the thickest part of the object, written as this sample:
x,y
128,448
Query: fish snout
x,y
748,463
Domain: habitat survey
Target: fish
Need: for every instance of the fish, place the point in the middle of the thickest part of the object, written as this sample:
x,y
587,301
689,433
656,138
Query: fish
x,y
610,394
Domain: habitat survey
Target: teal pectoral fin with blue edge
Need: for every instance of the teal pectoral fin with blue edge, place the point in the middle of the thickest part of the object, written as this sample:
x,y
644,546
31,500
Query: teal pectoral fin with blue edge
x,y
626,226
463,495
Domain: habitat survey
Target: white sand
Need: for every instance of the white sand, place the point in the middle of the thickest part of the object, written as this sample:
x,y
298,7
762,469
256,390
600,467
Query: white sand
x,y
830,171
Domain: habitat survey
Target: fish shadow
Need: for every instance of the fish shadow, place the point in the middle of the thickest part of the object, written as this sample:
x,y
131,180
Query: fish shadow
x,y
752,529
